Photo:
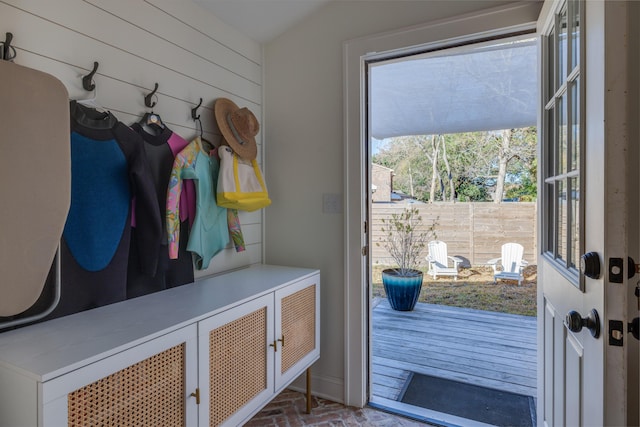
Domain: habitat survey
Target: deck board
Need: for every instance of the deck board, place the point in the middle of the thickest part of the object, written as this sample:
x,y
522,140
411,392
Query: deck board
x,y
489,349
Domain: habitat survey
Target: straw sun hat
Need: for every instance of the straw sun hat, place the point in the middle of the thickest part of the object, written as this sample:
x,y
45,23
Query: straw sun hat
x,y
238,126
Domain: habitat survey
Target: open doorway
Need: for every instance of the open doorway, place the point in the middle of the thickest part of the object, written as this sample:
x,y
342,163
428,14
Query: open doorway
x,y
453,144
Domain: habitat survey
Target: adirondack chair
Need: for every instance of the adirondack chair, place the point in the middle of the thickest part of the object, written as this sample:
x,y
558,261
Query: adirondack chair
x,y
438,260
510,265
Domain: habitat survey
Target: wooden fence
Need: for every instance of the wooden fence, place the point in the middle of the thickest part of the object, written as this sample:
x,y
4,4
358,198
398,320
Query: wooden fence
x,y
474,232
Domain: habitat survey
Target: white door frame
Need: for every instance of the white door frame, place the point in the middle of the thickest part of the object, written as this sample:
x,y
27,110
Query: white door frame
x,y
493,22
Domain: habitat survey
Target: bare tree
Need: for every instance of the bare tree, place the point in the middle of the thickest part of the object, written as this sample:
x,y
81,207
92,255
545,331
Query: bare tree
x,y
470,162
430,147
452,190
435,148
504,155
516,150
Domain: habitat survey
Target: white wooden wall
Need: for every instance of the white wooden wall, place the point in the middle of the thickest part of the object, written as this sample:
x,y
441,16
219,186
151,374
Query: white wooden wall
x,y
185,49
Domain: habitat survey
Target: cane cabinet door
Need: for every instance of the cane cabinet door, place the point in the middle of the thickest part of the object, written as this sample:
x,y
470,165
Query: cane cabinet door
x,y
149,384
236,362
297,329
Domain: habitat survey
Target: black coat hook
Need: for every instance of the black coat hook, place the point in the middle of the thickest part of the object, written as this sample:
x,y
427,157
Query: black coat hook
x,y
8,52
7,43
87,81
147,99
194,110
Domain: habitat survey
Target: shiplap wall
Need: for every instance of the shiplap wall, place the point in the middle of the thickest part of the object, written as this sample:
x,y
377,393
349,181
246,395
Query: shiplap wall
x,y
177,44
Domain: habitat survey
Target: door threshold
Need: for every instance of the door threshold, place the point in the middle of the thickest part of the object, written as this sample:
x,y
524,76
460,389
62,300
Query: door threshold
x,y
423,415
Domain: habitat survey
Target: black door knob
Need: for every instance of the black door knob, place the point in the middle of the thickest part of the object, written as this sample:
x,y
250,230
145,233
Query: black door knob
x,y
590,265
575,322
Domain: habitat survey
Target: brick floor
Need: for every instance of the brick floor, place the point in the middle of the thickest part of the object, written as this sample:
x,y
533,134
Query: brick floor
x,y
289,410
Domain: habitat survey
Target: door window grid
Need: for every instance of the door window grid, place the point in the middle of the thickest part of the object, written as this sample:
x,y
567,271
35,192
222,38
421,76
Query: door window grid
x,y
562,142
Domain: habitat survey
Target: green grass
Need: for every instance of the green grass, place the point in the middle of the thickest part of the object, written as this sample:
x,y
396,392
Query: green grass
x,y
474,289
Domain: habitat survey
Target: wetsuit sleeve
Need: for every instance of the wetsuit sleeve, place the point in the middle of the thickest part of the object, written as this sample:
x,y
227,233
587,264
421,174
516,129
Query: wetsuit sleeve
x,y
179,181
148,222
235,230
174,191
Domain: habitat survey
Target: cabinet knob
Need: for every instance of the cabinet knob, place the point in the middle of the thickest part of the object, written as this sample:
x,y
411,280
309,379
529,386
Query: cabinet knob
x,y
274,345
281,341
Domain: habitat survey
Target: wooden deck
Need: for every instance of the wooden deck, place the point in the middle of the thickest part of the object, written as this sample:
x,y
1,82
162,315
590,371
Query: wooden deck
x,y
489,349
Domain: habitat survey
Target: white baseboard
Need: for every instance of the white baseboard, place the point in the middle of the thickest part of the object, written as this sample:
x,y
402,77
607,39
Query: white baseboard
x,y
329,388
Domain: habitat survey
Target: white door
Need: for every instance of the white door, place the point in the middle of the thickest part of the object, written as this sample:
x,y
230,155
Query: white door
x,y
583,208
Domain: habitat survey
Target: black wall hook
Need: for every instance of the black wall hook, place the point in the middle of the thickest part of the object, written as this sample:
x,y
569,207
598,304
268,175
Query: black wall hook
x,y
87,81
8,52
7,41
194,110
147,99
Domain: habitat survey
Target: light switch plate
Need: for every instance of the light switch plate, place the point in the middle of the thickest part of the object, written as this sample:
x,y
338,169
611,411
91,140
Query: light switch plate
x,y
332,203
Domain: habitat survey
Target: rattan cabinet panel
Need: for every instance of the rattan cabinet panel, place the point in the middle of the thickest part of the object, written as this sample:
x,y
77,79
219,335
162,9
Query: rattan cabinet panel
x,y
148,384
297,329
151,392
235,362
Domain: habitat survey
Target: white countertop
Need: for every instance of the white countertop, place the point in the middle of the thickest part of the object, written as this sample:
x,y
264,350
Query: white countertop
x,y
49,349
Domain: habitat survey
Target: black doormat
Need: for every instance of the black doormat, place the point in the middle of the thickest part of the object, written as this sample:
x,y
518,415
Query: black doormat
x,y
487,405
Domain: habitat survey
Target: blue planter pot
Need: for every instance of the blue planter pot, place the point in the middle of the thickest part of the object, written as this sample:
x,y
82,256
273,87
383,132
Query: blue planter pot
x,y
402,291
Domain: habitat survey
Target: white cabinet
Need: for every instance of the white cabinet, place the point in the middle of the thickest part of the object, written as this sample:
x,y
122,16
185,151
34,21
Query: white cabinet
x,y
210,353
251,352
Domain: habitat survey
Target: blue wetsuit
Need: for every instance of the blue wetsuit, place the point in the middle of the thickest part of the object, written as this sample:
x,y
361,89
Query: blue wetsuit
x,y
108,170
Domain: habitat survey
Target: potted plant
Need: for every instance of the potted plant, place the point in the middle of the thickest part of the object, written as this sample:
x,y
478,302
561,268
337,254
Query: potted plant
x,y
404,238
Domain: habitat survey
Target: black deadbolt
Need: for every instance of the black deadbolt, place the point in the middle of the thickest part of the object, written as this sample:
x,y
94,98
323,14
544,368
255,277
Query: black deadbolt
x,y
590,265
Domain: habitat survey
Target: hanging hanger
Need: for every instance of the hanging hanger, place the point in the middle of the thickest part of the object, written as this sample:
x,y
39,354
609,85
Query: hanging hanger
x,y
7,52
200,123
196,117
153,121
150,119
207,145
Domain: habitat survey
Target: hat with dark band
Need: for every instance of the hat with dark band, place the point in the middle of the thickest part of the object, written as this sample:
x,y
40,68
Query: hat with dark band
x,y
238,126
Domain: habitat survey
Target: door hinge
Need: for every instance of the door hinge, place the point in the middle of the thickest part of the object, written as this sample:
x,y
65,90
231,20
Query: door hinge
x,y
365,227
365,250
